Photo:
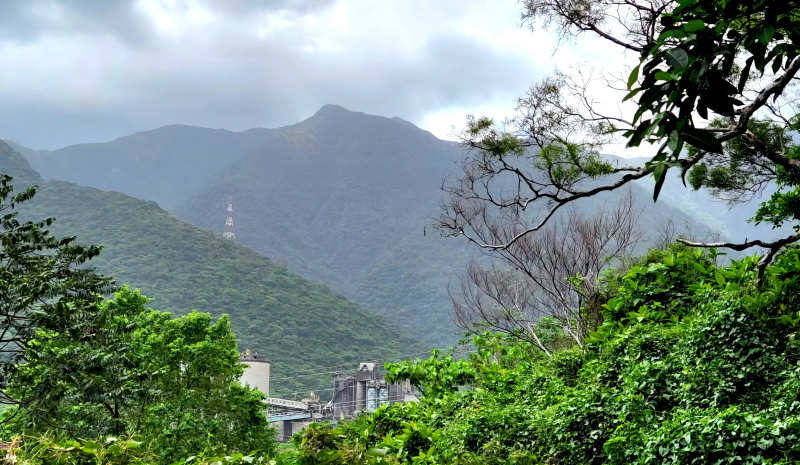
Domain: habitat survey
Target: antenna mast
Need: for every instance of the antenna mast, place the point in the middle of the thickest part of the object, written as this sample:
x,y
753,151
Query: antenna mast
x,y
228,234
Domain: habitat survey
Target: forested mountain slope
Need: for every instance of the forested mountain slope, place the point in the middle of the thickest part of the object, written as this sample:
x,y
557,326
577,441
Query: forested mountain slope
x,y
346,198
300,325
342,198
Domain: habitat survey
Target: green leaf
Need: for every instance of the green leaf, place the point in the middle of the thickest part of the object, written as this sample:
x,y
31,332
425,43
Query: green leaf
x,y
674,141
636,135
702,139
776,64
663,76
634,76
659,173
766,35
720,279
632,94
678,58
133,444
694,25
676,33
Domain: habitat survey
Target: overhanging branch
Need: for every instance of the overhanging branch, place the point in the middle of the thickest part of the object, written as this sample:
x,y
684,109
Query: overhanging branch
x,y
772,247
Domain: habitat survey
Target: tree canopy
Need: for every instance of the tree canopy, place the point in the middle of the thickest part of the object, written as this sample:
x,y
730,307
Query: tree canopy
x,y
45,293
173,382
713,93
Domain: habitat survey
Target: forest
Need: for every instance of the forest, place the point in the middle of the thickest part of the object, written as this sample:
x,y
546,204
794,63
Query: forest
x,y
594,344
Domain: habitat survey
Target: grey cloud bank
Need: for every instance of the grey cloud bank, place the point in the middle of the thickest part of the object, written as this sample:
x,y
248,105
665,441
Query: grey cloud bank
x,y
92,70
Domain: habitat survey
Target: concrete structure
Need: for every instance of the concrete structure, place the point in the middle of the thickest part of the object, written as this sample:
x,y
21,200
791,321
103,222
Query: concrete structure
x,y
366,391
257,373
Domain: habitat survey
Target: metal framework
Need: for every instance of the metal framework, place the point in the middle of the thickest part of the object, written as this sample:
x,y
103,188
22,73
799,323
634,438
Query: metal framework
x,y
228,234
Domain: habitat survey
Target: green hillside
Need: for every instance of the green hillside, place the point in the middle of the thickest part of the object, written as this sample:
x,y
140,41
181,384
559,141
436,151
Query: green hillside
x,y
342,198
302,326
347,199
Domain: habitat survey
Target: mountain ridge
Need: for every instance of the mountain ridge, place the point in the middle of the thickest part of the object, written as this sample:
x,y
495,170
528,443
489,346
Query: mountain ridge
x,y
182,267
343,198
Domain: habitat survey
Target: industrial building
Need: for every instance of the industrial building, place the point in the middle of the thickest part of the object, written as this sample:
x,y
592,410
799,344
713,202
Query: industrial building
x,y
364,391
257,373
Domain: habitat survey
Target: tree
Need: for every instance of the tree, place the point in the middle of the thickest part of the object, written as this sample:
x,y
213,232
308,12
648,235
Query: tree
x,y
552,274
202,405
92,385
173,382
45,293
713,92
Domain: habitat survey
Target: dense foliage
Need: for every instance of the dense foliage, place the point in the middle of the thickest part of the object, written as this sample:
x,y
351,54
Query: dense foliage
x,y
695,364
113,451
173,382
44,291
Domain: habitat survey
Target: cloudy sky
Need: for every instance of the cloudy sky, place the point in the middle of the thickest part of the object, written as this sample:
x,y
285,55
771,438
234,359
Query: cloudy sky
x,y
92,70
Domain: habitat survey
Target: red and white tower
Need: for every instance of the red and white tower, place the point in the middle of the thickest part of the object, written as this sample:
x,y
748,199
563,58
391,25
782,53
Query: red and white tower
x,y
228,234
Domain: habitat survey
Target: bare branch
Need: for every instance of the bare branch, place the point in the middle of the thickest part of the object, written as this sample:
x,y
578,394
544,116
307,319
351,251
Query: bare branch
x,y
553,273
772,247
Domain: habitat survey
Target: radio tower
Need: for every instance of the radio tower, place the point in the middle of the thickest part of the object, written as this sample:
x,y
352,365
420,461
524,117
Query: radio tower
x,y
228,234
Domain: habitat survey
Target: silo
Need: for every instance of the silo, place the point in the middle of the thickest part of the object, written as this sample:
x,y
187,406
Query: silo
x,y
257,373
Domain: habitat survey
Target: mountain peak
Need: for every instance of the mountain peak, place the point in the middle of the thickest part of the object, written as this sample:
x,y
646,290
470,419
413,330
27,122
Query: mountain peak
x,y
333,110
330,112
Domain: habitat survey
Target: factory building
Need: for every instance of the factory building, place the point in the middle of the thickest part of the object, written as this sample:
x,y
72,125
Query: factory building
x,y
364,391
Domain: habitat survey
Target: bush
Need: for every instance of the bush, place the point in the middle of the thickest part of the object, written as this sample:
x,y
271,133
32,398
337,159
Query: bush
x,y
693,364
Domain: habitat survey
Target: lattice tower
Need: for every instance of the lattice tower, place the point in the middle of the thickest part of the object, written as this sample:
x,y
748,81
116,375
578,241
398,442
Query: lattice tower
x,y
228,234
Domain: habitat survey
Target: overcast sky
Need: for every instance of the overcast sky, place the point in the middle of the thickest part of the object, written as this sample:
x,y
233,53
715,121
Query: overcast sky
x,y
77,71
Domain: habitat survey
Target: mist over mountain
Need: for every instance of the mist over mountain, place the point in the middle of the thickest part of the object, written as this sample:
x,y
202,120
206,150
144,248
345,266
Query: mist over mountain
x,y
730,221
343,198
182,267
164,165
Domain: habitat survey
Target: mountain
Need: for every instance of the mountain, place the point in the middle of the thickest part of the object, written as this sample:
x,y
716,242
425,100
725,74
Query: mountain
x,y
300,325
342,198
165,165
12,164
730,221
346,198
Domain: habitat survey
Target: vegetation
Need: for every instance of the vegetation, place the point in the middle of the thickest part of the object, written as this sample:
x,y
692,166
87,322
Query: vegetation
x,y
711,91
698,369
113,451
46,296
183,268
691,362
172,382
74,366
670,357
343,199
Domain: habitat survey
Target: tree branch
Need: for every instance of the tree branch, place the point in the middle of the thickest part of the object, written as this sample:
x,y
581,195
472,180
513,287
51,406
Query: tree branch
x,y
773,248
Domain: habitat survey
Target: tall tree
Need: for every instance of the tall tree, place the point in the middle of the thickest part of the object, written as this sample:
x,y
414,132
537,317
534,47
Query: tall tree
x,y
713,93
45,292
172,381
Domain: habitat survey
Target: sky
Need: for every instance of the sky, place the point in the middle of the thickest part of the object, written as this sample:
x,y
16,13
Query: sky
x,y
77,71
